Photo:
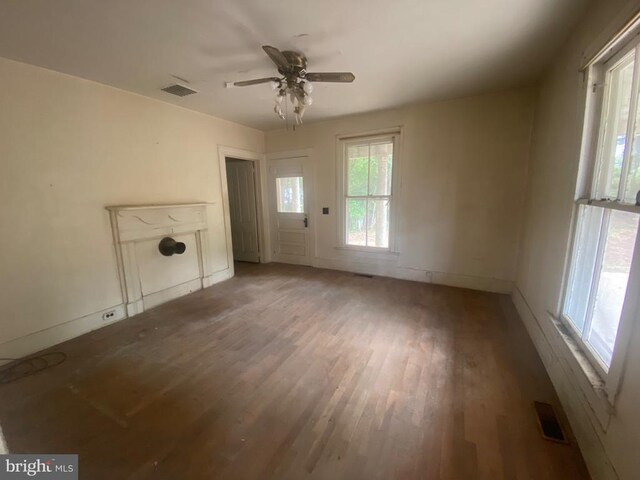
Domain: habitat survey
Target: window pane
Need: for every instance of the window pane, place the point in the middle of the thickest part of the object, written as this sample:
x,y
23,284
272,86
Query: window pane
x,y
584,258
378,223
633,177
290,194
612,283
356,221
380,170
357,169
614,122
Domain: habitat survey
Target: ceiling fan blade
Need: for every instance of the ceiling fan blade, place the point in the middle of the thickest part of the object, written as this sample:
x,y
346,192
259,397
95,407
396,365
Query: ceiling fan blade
x,y
257,81
276,56
343,77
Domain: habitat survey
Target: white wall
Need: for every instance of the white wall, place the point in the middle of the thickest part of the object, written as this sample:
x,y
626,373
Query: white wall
x,y
462,169
68,148
551,187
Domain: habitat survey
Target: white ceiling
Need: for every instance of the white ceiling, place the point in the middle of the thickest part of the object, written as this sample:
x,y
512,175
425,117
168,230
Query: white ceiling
x,y
401,51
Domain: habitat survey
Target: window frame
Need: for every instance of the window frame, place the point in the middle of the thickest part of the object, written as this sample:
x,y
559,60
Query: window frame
x,y
595,76
342,190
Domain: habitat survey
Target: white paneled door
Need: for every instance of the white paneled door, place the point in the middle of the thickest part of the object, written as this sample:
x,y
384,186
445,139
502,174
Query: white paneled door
x,y
243,210
290,204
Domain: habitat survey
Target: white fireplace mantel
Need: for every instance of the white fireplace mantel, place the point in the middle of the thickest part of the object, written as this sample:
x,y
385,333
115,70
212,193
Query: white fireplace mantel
x,y
146,277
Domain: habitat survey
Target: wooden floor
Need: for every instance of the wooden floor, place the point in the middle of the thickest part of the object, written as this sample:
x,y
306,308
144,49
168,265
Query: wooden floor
x,y
294,372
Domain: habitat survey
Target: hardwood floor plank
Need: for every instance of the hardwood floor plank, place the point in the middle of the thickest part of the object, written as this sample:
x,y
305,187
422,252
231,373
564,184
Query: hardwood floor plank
x,y
291,372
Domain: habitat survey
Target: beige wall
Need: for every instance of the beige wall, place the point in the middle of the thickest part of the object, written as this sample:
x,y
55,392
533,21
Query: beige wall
x,y
462,170
552,180
68,148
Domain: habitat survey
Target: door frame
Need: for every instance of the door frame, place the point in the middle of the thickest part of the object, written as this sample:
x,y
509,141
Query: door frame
x,y
308,153
262,212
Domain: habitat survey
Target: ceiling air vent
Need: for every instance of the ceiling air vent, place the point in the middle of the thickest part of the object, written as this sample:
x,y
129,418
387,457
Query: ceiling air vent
x,y
179,90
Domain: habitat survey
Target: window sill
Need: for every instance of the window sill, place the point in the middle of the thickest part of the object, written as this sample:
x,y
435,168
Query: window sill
x,y
588,378
382,253
591,372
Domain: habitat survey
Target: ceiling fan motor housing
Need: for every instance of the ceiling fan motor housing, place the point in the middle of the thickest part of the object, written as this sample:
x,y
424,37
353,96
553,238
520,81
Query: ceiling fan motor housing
x,y
297,63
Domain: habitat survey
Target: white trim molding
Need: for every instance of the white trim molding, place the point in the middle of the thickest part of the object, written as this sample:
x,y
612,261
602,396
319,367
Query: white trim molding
x,y
258,159
393,134
386,266
135,223
303,152
583,397
48,337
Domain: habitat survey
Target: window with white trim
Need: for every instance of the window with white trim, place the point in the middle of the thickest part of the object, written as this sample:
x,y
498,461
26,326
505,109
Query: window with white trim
x,y
367,187
600,290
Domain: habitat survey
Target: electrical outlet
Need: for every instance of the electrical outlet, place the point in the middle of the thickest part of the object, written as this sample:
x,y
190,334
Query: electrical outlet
x,y
110,315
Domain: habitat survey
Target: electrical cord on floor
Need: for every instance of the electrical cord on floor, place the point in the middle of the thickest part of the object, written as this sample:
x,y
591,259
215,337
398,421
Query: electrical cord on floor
x,y
29,366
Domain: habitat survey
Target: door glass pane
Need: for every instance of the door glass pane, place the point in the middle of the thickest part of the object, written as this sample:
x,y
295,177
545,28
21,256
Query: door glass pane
x,y
357,170
378,223
615,119
290,191
612,282
584,259
356,221
380,169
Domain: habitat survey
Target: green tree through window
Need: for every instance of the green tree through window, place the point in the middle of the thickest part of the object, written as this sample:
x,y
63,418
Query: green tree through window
x,y
368,193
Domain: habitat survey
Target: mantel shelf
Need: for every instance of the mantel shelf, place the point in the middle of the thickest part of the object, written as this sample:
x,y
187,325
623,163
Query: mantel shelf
x,y
157,205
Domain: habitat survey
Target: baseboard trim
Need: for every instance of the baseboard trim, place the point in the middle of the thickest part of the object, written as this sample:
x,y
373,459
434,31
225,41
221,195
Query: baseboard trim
x,y
387,268
135,308
217,277
34,342
576,406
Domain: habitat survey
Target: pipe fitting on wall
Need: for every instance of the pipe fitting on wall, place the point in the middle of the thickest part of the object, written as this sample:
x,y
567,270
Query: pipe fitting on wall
x,y
168,247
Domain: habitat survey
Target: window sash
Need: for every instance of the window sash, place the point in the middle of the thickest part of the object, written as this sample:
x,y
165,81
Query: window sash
x,y
602,76
344,196
609,205
582,334
586,349
596,130
366,199
629,305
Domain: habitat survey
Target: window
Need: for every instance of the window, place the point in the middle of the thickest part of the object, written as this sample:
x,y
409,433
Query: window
x,y
368,166
290,194
606,228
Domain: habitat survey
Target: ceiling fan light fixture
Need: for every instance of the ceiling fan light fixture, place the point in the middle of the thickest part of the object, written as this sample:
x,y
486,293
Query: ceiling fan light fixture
x,y
307,87
277,109
294,81
299,111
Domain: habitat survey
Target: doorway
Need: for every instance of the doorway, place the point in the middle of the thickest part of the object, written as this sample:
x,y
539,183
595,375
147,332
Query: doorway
x,y
243,209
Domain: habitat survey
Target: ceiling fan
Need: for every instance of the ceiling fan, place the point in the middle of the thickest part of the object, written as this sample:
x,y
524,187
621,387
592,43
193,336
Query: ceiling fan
x,y
295,81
